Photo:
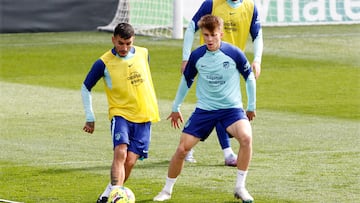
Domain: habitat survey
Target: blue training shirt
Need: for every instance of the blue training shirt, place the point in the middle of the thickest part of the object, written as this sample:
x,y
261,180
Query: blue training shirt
x,y
218,82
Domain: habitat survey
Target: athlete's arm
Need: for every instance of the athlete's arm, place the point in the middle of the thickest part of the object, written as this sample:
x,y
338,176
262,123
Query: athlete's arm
x,y
87,103
181,93
257,38
256,35
251,92
187,44
258,47
96,72
251,95
175,115
244,68
188,41
205,8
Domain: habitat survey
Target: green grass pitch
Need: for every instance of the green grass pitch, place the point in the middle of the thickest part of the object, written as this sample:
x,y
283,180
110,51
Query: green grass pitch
x,y
306,133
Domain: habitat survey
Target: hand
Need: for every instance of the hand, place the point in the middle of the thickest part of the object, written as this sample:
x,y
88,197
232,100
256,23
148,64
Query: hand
x,y
183,65
256,68
89,127
251,115
175,118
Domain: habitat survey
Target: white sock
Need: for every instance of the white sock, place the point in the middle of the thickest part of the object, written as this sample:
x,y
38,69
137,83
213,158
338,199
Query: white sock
x,y
190,154
107,191
115,187
169,184
228,152
241,178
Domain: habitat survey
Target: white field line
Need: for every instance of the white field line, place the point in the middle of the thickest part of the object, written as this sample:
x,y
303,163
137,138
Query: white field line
x,y
8,201
323,152
46,43
311,35
277,36
66,163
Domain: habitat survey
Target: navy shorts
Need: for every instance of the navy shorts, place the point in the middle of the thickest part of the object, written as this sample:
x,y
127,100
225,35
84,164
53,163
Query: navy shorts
x,y
202,122
136,135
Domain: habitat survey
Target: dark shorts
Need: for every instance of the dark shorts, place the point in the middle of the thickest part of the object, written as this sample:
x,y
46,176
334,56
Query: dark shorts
x,y
202,122
136,135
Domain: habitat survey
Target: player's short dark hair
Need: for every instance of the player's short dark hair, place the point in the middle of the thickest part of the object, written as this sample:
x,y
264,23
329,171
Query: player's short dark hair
x,y
124,30
211,22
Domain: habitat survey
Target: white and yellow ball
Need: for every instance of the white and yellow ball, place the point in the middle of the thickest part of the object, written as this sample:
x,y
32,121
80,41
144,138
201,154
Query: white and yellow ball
x,y
121,195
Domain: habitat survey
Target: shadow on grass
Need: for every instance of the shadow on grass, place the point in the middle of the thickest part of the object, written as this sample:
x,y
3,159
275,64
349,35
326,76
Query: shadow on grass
x,y
71,170
166,163
144,201
152,165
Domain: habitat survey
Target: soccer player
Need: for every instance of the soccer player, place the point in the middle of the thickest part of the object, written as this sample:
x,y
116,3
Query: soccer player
x,y
218,66
240,19
131,99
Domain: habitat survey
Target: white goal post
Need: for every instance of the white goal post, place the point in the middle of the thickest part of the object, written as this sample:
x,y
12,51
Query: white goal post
x,y
158,18
167,18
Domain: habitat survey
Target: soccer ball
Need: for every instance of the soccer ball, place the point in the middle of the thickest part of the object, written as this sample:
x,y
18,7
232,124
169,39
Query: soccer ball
x,y
121,195
130,195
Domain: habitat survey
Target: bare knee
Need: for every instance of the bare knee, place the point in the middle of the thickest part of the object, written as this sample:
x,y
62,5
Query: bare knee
x,y
181,152
131,158
245,140
120,153
130,163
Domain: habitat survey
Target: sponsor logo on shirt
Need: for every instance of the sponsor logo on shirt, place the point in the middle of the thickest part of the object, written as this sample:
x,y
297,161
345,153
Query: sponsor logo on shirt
x,y
215,80
135,78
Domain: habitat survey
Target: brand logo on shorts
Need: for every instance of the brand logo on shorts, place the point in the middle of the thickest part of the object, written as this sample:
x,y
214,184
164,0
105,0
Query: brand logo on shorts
x,y
117,136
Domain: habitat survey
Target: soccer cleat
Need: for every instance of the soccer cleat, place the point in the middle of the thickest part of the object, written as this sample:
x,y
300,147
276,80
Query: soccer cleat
x,y
243,194
231,160
162,196
102,199
189,157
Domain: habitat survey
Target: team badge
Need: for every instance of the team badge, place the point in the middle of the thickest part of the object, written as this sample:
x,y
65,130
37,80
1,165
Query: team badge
x,y
226,64
117,136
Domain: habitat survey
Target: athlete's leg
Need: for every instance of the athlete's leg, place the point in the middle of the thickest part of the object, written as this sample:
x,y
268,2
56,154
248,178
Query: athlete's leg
x,y
117,172
200,124
187,142
139,141
223,137
130,163
117,167
224,140
190,157
176,165
241,130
